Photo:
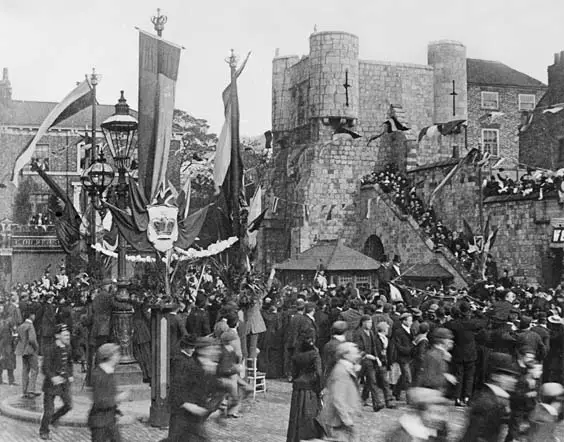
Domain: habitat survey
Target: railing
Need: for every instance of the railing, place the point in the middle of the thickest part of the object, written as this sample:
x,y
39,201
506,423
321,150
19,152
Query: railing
x,y
26,237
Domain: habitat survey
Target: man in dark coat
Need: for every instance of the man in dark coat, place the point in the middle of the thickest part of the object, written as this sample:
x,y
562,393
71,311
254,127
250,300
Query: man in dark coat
x,y
198,320
290,337
352,317
102,418
542,330
192,384
527,337
464,353
177,330
490,408
402,340
305,325
435,365
48,322
323,326
57,369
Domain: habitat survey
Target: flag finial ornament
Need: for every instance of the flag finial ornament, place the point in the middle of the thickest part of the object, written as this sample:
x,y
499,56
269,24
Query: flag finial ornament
x,y
158,22
232,60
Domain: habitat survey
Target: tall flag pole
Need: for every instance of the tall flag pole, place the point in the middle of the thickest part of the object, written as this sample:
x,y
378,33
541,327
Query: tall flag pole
x,y
235,171
158,71
92,255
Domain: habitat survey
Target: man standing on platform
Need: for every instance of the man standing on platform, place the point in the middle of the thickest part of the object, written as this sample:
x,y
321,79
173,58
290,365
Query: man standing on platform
x,y
57,369
27,348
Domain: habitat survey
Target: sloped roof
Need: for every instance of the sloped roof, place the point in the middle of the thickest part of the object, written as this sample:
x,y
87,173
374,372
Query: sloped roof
x,y
496,73
33,113
333,255
427,271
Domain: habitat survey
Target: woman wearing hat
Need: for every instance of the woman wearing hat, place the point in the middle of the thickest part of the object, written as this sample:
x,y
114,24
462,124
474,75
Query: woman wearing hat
x,y
102,419
306,387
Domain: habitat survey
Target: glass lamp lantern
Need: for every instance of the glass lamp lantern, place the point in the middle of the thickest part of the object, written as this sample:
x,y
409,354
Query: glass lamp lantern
x,y
119,131
101,175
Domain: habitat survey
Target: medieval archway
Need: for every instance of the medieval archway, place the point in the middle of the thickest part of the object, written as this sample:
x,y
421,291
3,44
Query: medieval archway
x,y
374,248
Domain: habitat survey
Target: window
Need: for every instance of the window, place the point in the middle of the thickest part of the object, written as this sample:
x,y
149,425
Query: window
x,y
490,141
363,281
39,208
527,102
42,155
490,100
344,280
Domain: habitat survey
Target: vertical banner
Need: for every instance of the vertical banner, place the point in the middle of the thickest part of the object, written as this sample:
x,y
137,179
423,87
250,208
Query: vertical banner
x,y
158,72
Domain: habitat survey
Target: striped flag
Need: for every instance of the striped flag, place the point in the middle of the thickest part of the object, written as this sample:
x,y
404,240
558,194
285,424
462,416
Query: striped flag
x,y
223,149
78,99
158,72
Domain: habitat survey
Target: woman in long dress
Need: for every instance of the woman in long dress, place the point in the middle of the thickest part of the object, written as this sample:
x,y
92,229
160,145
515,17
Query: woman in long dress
x,y
306,403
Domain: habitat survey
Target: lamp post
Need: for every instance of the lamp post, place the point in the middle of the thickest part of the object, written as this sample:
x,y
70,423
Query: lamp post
x,y
119,131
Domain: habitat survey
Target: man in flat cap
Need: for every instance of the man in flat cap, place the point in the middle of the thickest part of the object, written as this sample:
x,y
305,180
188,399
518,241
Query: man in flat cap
x,y
57,369
435,367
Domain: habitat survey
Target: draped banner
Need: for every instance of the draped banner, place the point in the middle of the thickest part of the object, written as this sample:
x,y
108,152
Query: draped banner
x,y
158,71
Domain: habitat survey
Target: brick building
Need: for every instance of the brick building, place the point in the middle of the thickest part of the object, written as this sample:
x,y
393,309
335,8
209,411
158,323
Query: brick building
x,y
314,181
542,138
27,249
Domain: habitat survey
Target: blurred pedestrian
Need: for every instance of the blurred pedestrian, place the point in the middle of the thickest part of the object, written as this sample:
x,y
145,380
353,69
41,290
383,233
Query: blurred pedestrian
x,y
57,369
342,406
102,419
426,420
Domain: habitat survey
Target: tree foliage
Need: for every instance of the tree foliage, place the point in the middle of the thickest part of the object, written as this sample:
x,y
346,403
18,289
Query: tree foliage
x,y
22,203
194,134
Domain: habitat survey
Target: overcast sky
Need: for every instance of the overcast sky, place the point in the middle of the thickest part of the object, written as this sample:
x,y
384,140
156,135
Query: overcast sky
x,y
48,45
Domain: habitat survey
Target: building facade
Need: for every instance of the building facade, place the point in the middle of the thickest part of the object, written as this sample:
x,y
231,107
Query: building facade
x,y
314,184
29,243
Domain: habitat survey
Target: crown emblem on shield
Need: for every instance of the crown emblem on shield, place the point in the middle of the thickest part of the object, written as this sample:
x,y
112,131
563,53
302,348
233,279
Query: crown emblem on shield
x,y
162,229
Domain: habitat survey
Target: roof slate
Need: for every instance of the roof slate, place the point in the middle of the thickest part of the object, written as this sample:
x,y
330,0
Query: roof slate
x,y
496,73
333,255
427,271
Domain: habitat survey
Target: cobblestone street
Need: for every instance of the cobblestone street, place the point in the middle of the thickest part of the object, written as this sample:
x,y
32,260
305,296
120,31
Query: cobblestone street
x,y
264,420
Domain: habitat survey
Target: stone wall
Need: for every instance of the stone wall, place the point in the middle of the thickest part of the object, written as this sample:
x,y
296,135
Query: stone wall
x,y
524,236
383,84
399,233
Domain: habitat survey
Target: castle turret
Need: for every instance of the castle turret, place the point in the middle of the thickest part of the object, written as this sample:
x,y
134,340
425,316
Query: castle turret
x,y
333,63
281,93
448,58
5,88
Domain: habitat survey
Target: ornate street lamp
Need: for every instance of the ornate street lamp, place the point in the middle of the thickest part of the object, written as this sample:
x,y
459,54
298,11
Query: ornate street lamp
x,y
96,179
119,131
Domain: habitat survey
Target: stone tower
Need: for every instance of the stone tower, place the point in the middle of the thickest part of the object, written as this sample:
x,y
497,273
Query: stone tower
x,y
332,55
281,92
448,59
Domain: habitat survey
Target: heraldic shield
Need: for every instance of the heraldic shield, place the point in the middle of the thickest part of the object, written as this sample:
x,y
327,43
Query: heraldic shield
x,y
162,229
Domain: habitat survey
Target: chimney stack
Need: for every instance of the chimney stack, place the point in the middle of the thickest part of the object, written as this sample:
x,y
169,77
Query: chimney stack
x,y
5,88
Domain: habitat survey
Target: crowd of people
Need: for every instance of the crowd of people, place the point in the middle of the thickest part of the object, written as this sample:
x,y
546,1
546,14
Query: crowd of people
x,y
531,182
341,348
403,194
